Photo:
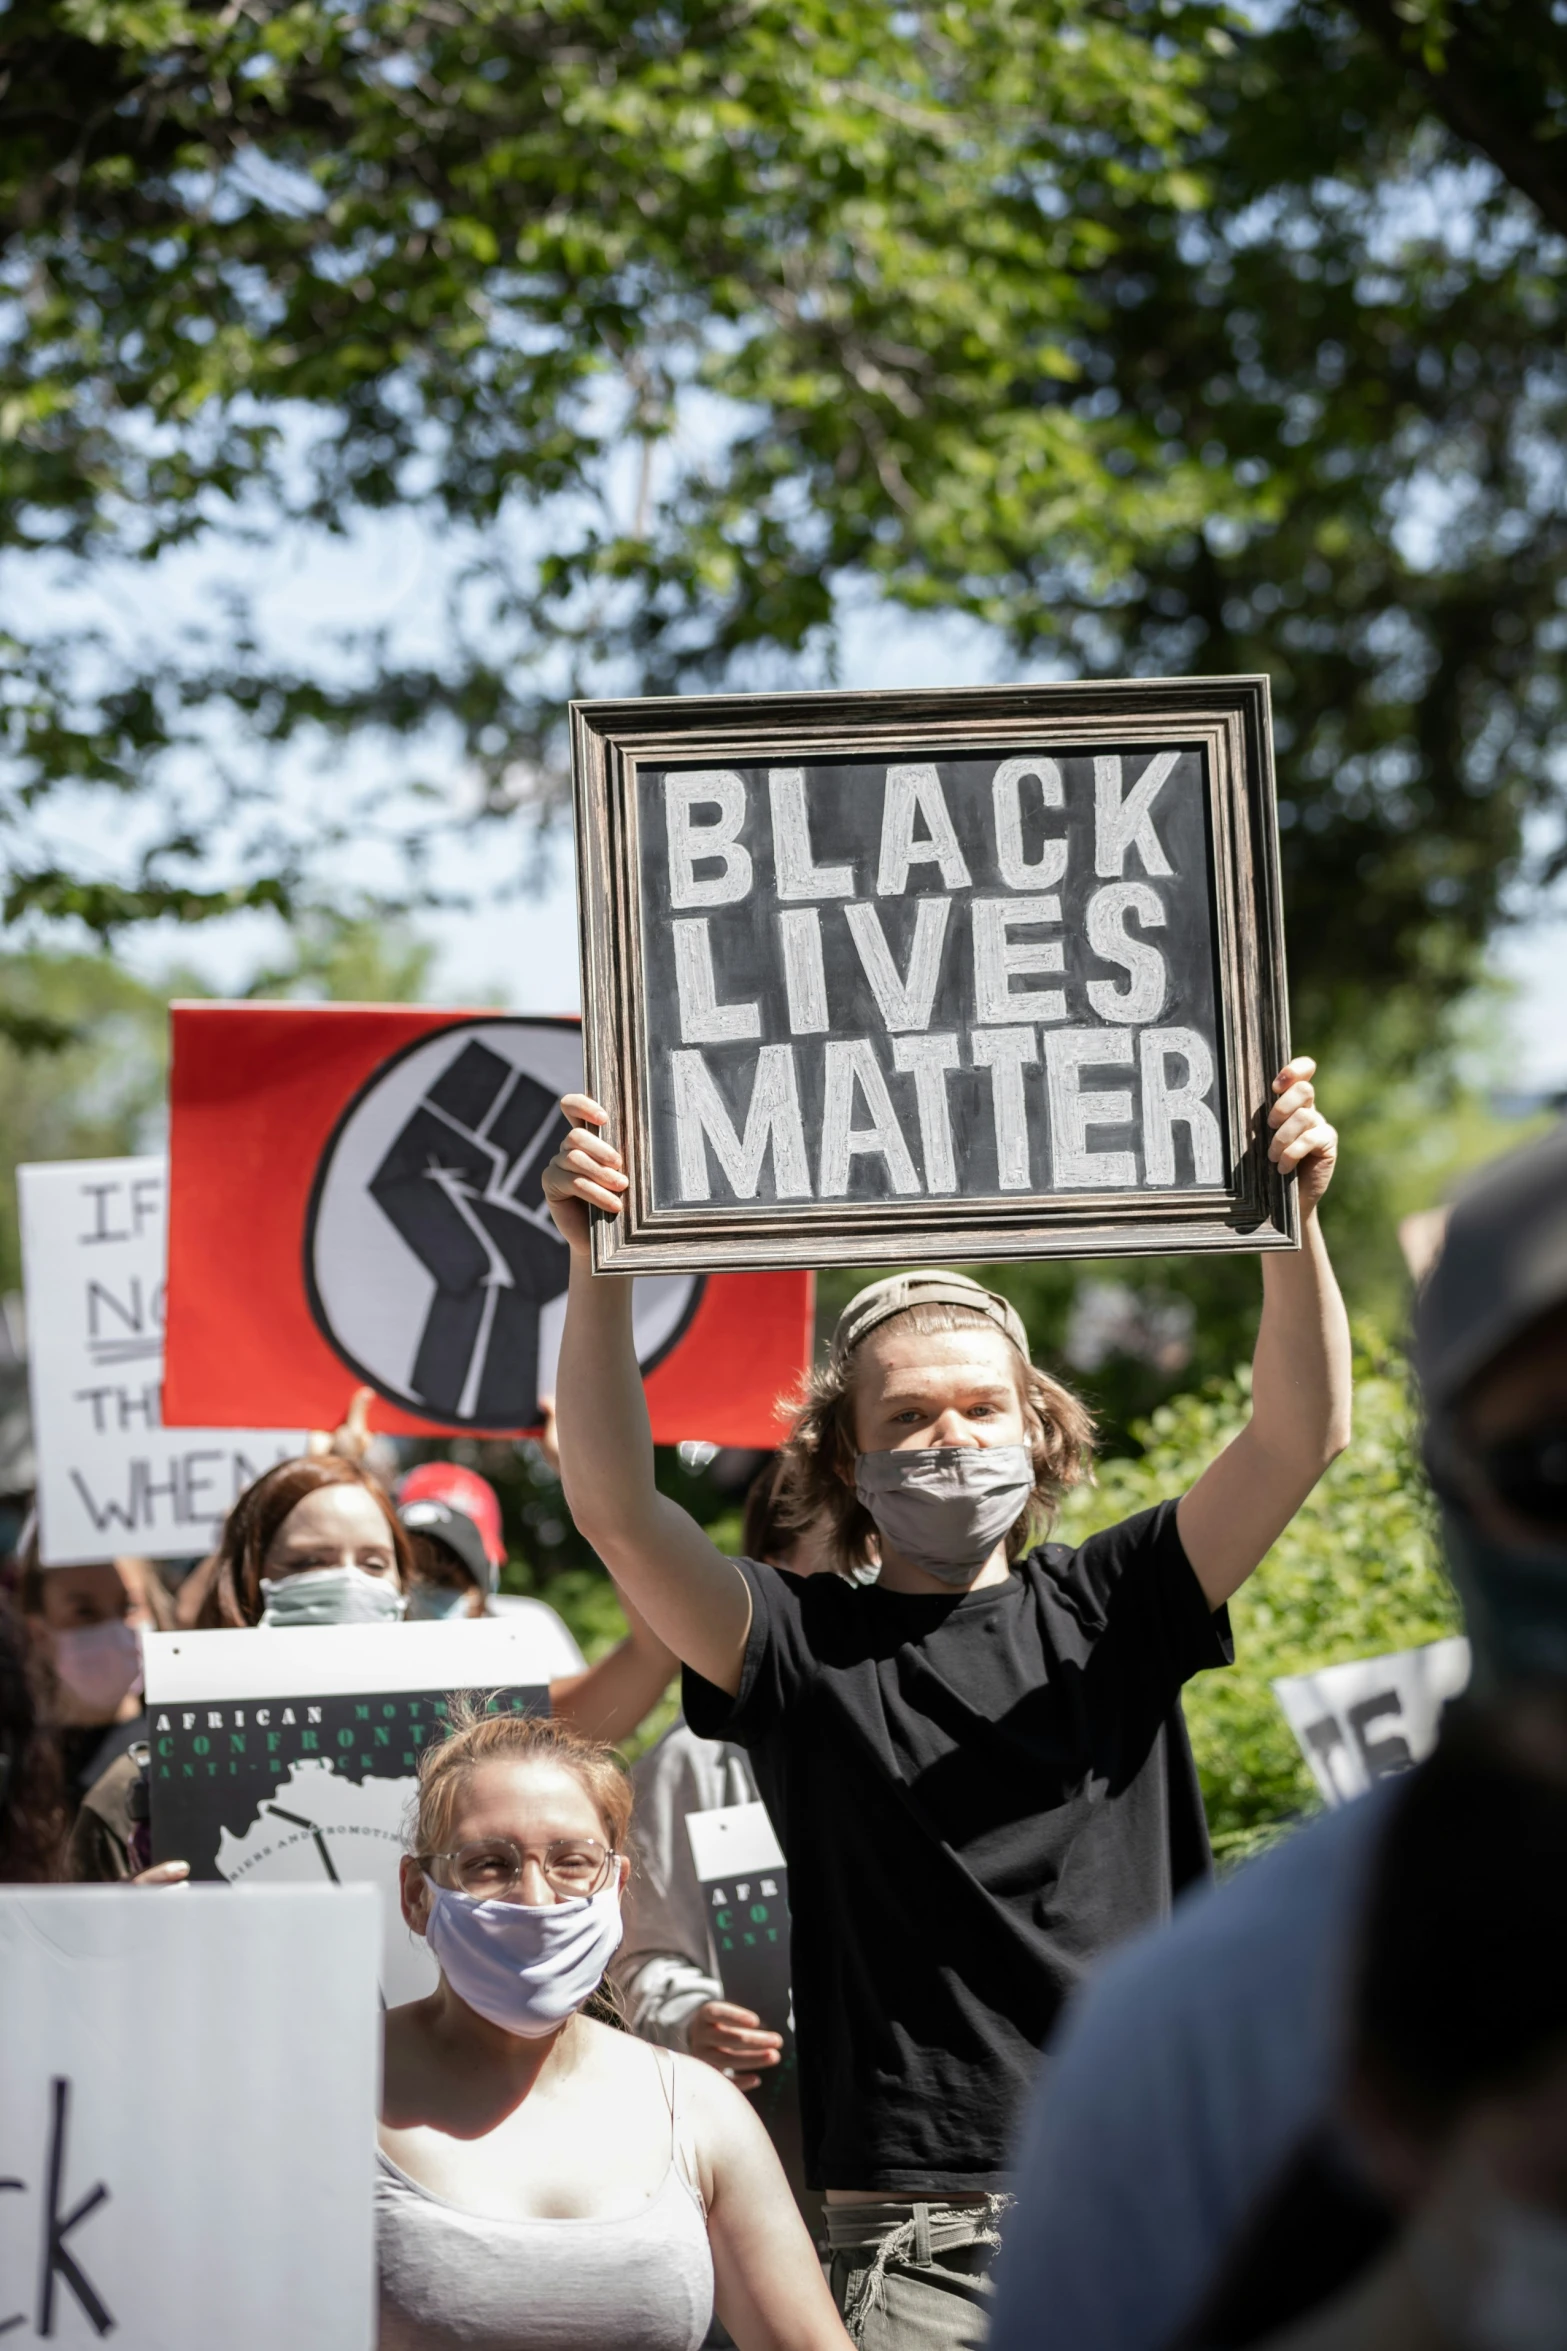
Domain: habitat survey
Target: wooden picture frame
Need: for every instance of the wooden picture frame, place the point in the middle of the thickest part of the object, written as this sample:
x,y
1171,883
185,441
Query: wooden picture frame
x,y
740,858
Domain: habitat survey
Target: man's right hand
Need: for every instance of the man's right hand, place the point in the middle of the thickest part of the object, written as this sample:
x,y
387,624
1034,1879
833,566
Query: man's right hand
x,y
585,1172
730,2039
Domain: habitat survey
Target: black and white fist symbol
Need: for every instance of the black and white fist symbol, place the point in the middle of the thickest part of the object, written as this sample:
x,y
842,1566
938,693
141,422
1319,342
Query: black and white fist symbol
x,y
432,1265
463,1184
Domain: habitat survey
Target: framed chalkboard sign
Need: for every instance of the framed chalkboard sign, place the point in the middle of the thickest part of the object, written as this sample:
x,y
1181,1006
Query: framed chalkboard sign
x,y
977,974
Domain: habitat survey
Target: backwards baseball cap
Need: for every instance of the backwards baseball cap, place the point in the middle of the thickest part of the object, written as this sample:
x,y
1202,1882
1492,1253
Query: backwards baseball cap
x,y
440,1523
461,1489
1503,1264
877,1303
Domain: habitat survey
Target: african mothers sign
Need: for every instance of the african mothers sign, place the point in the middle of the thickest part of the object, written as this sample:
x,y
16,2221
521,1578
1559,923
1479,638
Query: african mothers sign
x,y
985,973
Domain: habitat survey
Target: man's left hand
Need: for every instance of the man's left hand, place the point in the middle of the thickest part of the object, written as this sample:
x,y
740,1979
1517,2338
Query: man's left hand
x,y
1303,1145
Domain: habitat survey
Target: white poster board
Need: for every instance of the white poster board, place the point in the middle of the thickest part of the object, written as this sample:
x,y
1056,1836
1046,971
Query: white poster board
x,y
111,1478
187,2132
292,1757
1368,1720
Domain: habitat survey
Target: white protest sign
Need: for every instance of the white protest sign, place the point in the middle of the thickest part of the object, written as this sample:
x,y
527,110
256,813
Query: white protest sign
x,y
187,2119
1368,1720
111,1478
292,1757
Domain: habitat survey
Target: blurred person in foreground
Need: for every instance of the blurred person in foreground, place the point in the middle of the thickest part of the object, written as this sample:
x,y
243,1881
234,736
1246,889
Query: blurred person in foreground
x,y
1199,2075
1455,2095
317,1541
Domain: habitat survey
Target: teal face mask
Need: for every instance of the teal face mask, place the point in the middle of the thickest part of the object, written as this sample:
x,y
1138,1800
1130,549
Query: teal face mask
x,y
435,1603
1514,1599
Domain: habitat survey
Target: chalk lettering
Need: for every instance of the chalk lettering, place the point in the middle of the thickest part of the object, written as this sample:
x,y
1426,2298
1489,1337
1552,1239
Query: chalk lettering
x,y
772,1124
1006,1053
903,999
851,1067
1165,1106
998,959
703,1020
805,976
797,873
1143,999
928,1059
1120,824
912,791
1072,1112
1006,797
692,844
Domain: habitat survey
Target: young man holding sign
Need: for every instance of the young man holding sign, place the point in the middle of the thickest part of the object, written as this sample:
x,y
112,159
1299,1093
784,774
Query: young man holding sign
x,y
977,1768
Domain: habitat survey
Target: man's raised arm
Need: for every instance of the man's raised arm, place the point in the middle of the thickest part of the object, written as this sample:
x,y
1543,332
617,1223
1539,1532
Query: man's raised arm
x,y
1301,1386
694,1598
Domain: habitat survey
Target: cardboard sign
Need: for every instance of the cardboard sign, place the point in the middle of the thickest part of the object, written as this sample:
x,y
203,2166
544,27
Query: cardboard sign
x,y
1373,1718
745,1883
984,974
187,2103
292,1757
740,1864
357,1197
111,1477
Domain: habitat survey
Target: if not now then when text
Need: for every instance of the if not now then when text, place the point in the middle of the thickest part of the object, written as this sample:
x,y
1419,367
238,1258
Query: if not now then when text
x,y
1175,1065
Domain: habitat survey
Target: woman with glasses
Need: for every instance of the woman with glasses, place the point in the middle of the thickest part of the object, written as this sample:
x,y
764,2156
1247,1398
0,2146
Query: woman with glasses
x,y
546,2182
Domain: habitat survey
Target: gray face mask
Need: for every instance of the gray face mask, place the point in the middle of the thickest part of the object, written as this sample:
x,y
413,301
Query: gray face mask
x,y
946,1507
331,1595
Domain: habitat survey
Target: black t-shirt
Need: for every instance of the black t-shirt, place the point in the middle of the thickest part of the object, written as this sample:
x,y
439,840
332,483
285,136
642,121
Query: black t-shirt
x,y
975,1796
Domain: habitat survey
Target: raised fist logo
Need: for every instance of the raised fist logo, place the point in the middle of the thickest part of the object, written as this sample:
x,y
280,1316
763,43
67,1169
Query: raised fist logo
x,y
433,1265
463,1184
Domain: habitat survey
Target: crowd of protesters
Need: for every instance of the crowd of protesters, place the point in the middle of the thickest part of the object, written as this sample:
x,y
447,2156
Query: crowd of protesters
x,y
1324,2103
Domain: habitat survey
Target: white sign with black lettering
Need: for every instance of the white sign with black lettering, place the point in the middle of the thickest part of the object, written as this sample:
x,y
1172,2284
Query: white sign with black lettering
x,y
187,2101
1371,1719
292,1756
111,1477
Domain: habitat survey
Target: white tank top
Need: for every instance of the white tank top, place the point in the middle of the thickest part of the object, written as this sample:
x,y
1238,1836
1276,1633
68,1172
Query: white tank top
x,y
451,2281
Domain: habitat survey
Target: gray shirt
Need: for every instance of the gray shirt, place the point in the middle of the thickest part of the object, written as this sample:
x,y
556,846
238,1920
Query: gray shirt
x,y
1194,2063
666,1968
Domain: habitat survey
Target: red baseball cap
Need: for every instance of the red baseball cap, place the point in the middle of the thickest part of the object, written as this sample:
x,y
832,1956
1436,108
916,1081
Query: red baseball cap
x,y
461,1489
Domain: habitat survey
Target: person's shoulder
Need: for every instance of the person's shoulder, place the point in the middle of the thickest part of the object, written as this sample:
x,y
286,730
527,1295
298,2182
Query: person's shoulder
x,y
110,1794
722,2120
1109,1549
679,1754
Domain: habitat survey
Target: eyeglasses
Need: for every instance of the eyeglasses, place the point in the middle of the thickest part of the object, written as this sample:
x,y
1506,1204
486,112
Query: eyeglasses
x,y
492,1868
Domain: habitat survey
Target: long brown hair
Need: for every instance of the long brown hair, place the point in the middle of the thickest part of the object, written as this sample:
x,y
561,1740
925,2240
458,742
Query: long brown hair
x,y
33,1815
816,1461
253,1523
476,1736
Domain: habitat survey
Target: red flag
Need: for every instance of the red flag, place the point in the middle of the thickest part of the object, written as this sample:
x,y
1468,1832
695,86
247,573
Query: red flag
x,y
355,1198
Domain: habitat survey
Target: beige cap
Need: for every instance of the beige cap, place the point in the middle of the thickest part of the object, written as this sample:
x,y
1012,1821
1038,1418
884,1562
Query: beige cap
x,y
899,1291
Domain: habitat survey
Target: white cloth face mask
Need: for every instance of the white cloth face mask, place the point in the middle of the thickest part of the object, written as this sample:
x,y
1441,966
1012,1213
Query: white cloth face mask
x,y
946,1507
331,1595
99,1663
524,1968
